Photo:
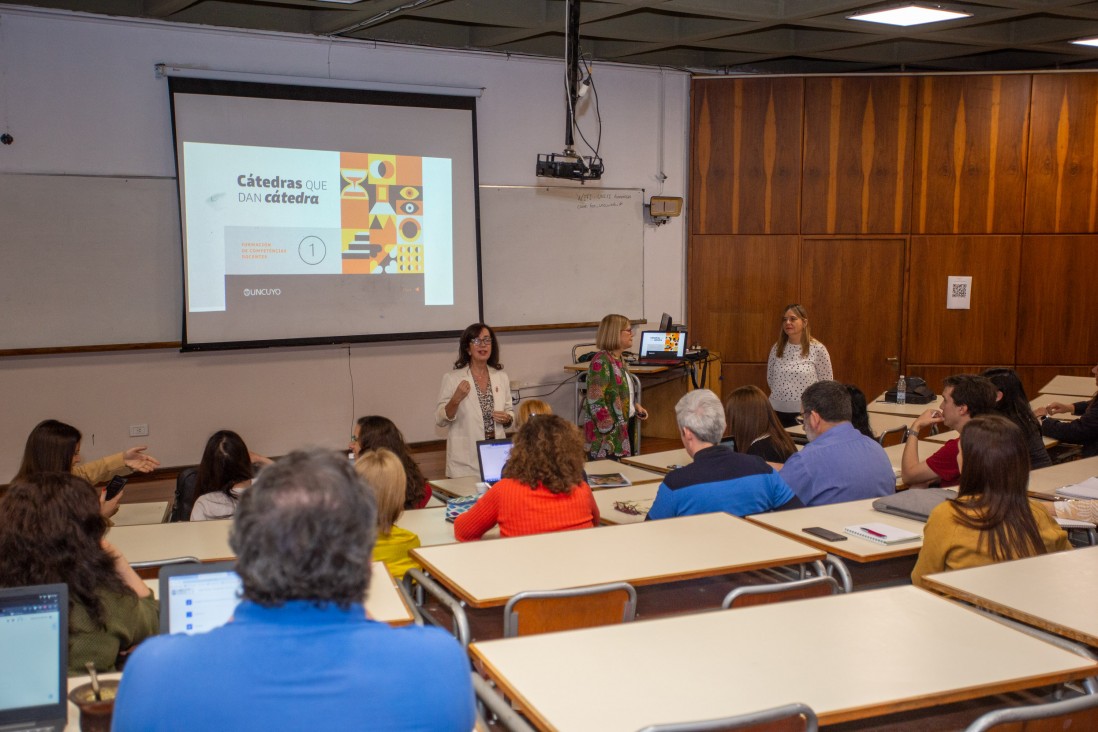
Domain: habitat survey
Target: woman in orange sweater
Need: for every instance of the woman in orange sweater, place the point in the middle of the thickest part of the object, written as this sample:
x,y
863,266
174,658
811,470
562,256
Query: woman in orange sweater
x,y
543,487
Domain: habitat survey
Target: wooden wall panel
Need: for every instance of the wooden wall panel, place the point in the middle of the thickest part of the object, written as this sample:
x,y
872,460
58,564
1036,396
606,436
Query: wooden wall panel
x,y
853,290
1062,195
858,145
739,285
970,154
983,334
934,374
735,375
1057,319
747,156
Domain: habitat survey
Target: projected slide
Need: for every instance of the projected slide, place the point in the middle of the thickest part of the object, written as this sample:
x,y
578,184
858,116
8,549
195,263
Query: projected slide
x,y
269,211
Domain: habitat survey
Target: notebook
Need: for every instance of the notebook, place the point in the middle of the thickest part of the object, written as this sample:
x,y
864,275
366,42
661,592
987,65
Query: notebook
x,y
882,533
492,455
34,628
195,598
662,348
1087,489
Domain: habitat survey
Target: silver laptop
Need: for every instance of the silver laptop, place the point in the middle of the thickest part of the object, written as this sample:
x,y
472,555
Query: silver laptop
x,y
195,598
34,646
492,455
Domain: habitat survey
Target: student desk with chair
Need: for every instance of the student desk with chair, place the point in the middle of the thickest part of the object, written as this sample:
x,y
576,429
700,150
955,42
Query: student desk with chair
x,y
848,657
627,505
943,437
879,423
1043,400
1057,593
467,486
149,512
487,574
661,462
880,406
1044,482
1075,387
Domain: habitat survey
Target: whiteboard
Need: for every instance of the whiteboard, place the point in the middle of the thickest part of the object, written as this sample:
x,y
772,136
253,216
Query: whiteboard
x,y
552,255
89,260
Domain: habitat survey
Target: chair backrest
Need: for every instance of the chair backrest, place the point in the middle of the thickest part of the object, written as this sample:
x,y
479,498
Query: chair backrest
x,y
185,484
789,717
584,351
545,611
1077,713
894,431
781,591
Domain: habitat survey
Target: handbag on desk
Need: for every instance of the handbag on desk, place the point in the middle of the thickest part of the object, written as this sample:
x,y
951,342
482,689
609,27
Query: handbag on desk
x,y
917,392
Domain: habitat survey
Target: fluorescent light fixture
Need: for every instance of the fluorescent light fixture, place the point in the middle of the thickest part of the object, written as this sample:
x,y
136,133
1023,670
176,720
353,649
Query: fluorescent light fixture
x,y
909,15
1086,42
341,2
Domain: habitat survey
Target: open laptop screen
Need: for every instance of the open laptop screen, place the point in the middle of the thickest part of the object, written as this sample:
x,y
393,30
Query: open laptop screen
x,y
493,456
662,344
195,598
34,643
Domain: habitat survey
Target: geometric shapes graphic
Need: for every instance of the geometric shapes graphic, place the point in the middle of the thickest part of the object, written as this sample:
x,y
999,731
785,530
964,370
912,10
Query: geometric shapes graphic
x,y
382,169
409,230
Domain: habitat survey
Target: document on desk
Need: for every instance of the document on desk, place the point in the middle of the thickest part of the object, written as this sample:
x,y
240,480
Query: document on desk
x,y
607,480
1086,489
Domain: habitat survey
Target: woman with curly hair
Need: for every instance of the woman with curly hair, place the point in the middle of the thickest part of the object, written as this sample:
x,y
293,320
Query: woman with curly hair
x,y
543,487
51,531
374,432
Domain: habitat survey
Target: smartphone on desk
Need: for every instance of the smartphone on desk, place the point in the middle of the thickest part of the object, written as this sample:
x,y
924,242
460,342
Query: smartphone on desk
x,y
115,487
824,533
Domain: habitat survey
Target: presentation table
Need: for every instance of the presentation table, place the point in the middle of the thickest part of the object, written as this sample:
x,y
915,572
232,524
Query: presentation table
x,y
880,406
1078,387
848,657
132,514
1057,593
1044,482
835,517
634,499
458,487
1042,400
487,574
661,462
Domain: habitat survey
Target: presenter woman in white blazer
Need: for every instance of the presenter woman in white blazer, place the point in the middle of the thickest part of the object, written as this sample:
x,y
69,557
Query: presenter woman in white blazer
x,y
474,401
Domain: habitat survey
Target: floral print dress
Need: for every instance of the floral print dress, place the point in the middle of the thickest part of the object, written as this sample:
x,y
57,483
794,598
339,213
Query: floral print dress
x,y
606,408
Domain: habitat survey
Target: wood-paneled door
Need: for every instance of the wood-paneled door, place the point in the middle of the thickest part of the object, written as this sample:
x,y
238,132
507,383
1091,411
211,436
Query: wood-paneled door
x,y
853,289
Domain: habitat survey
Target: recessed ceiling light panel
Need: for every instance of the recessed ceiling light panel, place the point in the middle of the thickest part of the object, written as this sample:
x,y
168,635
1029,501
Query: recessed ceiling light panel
x,y
910,15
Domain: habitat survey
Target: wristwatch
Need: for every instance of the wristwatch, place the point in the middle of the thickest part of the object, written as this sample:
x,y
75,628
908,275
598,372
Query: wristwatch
x,y
909,433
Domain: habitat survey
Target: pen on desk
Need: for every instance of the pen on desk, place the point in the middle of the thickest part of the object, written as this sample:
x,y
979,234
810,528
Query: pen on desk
x,y
871,532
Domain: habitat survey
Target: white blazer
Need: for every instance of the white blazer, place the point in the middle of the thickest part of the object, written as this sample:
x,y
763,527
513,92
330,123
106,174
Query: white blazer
x,y
467,426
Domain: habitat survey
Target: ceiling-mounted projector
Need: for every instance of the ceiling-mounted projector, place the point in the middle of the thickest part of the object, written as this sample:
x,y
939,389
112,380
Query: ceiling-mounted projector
x,y
568,164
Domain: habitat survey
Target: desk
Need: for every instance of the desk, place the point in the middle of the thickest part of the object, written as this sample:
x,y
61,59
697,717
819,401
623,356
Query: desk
x,y
848,657
1045,399
835,516
943,437
1056,592
384,602
1079,387
640,496
432,528
880,406
879,423
206,540
457,487
1044,482
661,462
487,574
131,514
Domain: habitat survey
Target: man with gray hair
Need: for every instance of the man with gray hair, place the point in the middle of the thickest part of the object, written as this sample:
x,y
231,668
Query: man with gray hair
x,y
299,652
719,479
839,463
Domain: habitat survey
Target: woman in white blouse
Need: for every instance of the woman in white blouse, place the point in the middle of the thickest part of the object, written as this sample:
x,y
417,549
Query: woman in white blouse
x,y
796,362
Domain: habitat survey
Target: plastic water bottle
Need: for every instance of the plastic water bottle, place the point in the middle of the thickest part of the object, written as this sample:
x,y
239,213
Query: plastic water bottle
x,y
901,390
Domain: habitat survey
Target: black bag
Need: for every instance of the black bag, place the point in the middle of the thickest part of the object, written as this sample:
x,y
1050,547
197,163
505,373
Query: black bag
x,y
917,392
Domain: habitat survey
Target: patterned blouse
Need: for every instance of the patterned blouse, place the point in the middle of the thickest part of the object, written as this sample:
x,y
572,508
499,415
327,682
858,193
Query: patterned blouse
x,y
791,374
606,408
487,406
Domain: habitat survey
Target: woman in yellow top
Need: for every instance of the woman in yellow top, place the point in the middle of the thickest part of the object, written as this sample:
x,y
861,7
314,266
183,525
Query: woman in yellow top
x,y
384,472
992,519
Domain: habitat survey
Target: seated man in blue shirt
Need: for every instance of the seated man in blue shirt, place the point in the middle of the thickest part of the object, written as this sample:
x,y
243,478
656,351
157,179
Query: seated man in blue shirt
x,y
299,652
839,463
719,479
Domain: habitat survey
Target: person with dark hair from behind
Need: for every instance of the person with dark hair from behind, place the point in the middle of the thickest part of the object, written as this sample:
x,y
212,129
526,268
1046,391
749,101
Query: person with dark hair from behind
x,y
54,447
859,411
992,519
754,426
374,432
543,487
839,463
225,471
964,396
299,652
1011,402
51,531
719,479
1083,431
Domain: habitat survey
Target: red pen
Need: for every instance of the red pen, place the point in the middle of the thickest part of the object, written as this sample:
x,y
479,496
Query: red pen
x,y
871,532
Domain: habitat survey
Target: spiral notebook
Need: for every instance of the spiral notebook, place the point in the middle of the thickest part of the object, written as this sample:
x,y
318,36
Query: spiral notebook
x,y
882,533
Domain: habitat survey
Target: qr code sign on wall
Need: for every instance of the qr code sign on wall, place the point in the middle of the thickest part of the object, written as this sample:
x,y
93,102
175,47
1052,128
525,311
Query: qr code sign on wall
x,y
959,292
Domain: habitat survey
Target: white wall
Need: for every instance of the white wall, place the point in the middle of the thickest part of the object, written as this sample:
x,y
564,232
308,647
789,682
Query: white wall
x,y
79,95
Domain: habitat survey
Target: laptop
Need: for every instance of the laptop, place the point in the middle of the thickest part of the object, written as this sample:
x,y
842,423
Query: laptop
x,y
492,455
662,348
195,598
34,643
